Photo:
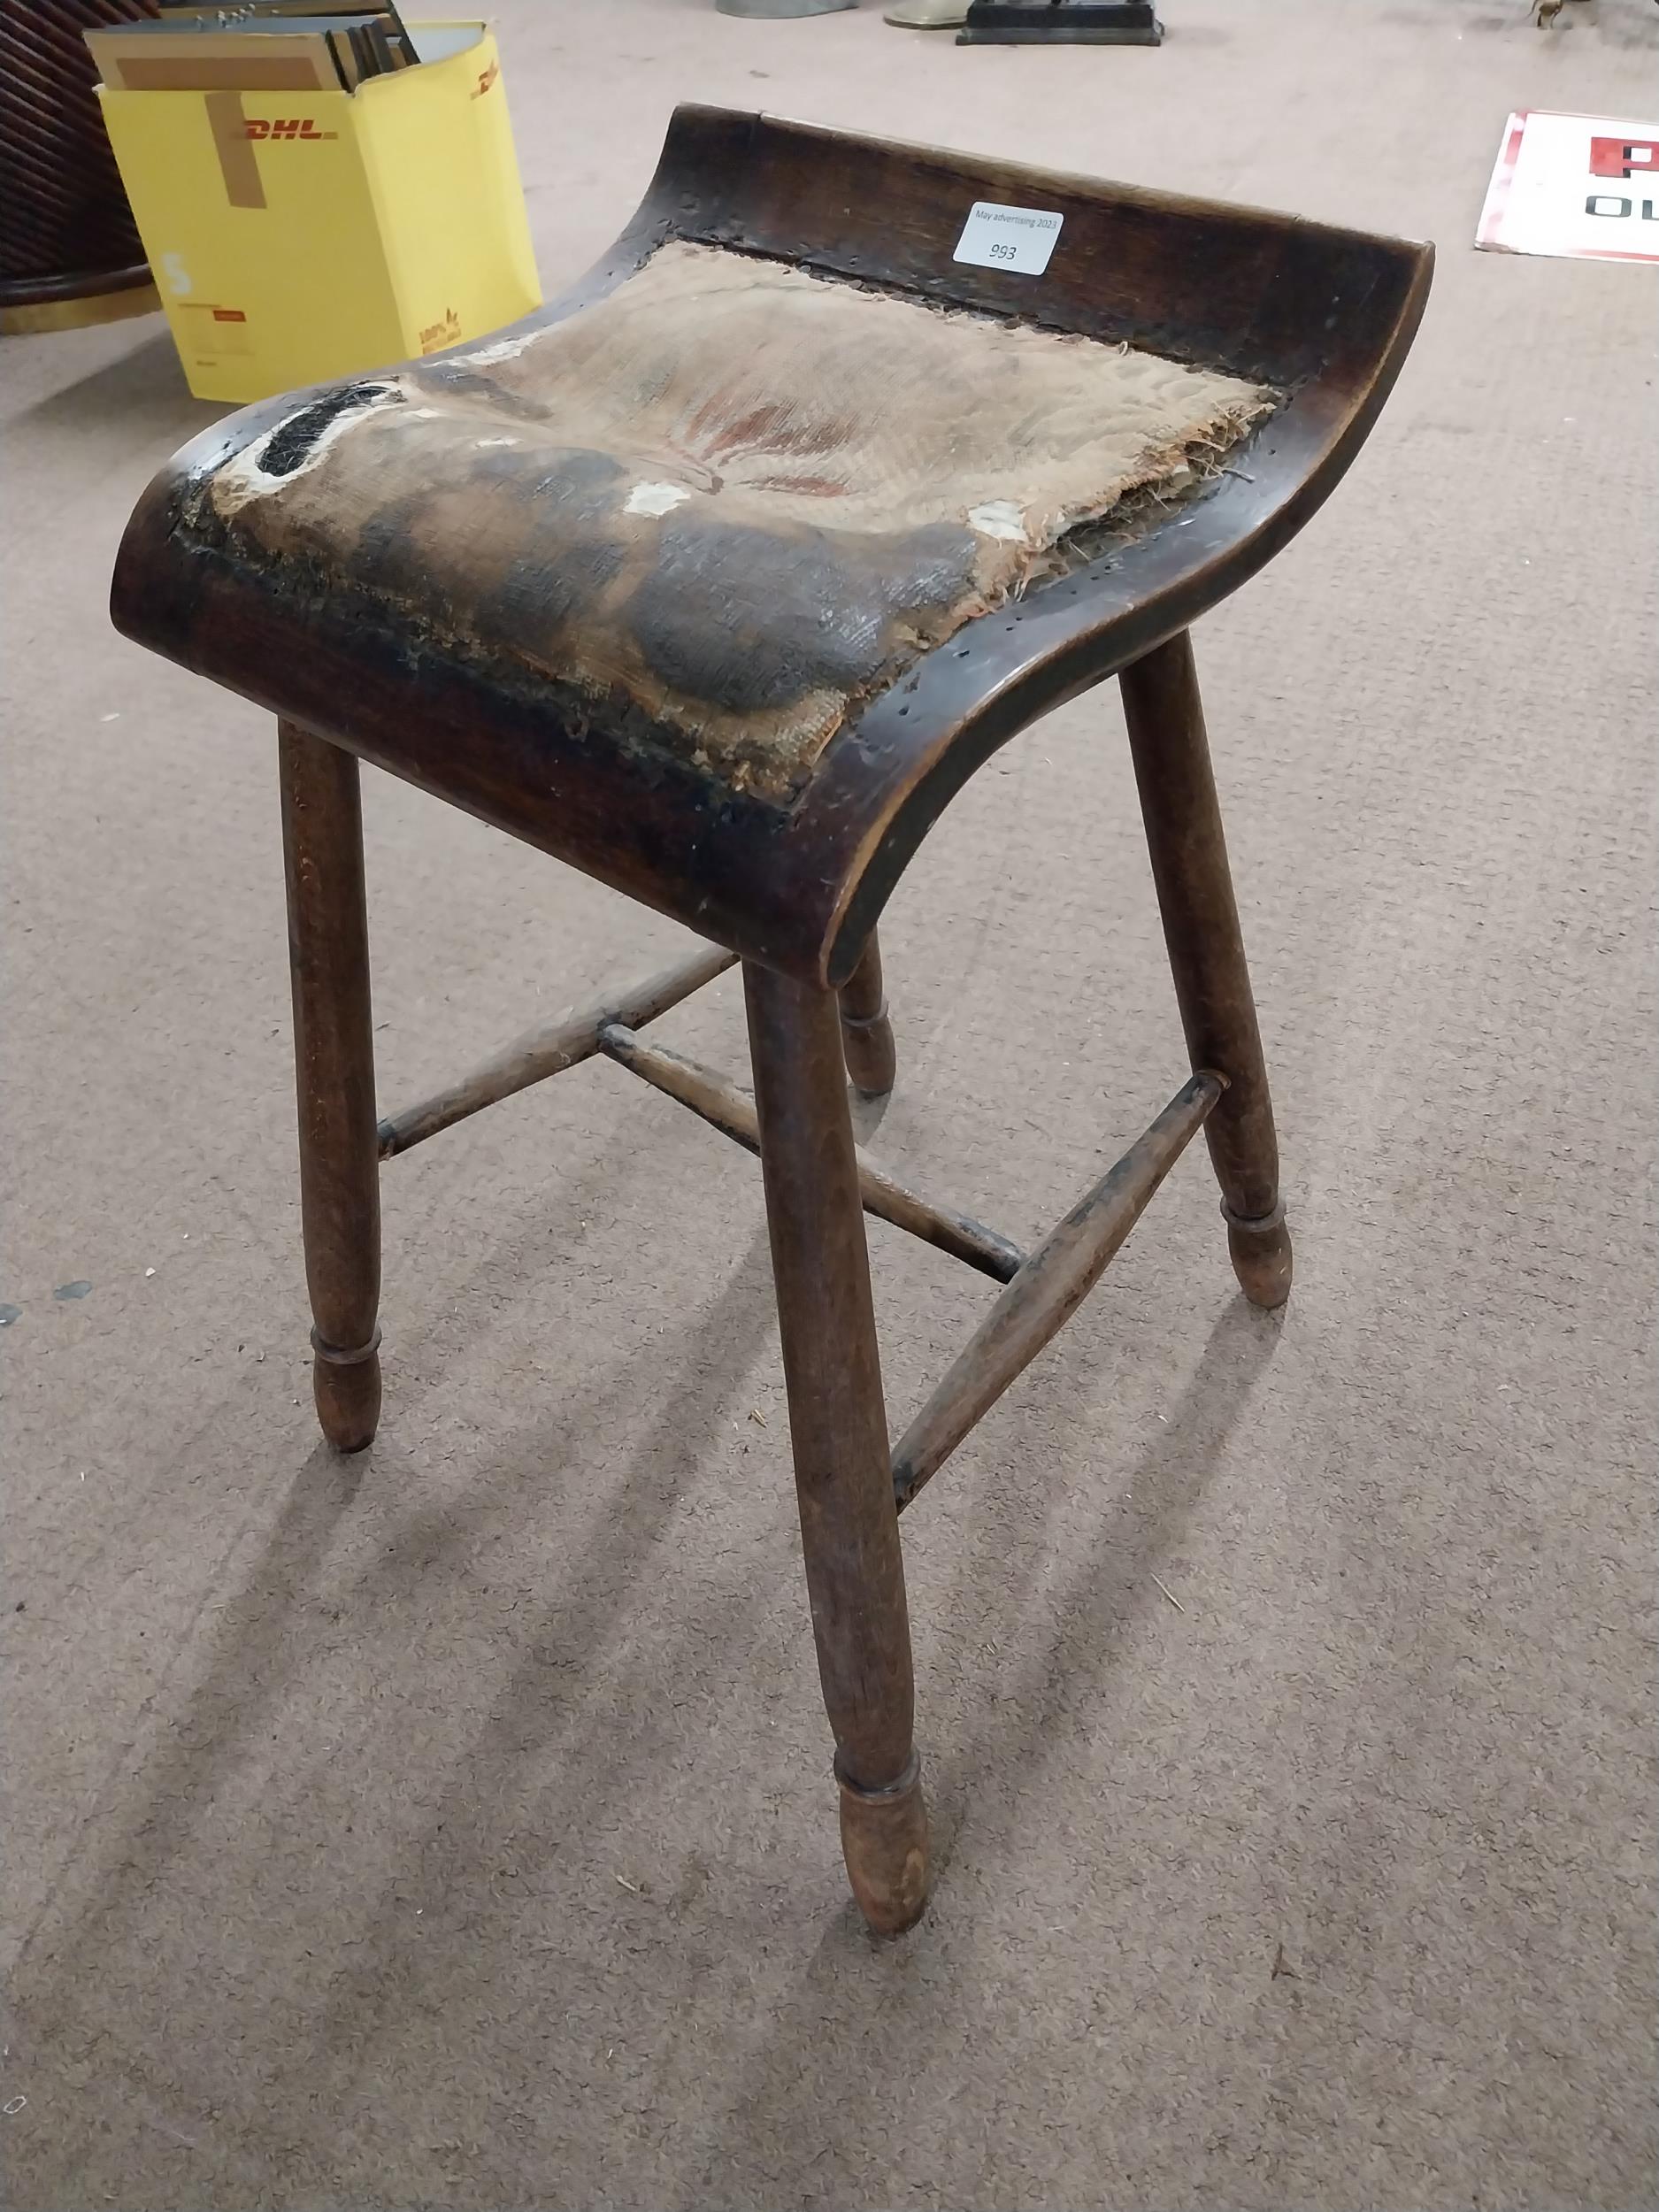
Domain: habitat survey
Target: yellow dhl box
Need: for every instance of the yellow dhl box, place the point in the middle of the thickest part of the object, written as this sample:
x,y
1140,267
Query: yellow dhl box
x,y
299,236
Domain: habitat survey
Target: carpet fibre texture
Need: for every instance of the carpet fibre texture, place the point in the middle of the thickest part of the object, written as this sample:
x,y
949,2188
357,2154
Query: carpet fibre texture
x,y
453,1825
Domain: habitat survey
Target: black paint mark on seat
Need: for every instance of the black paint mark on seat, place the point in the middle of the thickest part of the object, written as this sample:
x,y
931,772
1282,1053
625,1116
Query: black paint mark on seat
x,y
290,443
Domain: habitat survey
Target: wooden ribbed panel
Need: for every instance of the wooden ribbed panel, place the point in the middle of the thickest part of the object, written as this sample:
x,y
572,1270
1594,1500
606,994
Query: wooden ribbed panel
x,y
65,225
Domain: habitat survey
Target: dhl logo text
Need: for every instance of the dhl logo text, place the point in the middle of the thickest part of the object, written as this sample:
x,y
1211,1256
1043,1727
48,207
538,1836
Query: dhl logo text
x,y
287,126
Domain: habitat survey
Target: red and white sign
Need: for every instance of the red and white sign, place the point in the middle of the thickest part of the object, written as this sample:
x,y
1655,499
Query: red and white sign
x,y
1582,186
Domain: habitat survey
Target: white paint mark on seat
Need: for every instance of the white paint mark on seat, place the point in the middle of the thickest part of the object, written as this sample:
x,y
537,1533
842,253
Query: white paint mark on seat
x,y
655,499
502,349
1002,518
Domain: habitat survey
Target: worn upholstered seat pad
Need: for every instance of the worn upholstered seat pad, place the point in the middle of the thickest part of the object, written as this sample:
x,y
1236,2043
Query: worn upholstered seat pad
x,y
724,505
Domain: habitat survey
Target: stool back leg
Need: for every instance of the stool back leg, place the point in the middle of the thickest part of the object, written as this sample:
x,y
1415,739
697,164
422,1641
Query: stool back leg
x,y
849,1525
334,1055
1212,983
866,1032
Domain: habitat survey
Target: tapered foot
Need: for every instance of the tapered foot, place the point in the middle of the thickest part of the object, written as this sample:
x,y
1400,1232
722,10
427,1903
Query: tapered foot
x,y
1212,982
873,1061
347,1388
867,1032
838,1423
884,1841
1261,1254
333,1052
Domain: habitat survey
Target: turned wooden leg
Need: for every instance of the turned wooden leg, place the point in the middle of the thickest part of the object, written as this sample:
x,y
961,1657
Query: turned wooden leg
x,y
838,1422
333,1054
867,1032
1212,983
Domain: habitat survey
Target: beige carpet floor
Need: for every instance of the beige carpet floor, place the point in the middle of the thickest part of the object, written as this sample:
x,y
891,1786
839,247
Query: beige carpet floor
x,y
452,1827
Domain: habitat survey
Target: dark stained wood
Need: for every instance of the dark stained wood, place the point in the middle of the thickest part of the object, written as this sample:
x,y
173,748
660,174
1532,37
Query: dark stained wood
x,y
333,1055
866,1029
67,231
884,1841
881,1191
795,886
849,1528
1049,1289
1325,315
550,1047
1212,981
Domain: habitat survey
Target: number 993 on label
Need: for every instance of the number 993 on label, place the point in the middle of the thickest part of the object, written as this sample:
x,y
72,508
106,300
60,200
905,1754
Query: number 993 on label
x,y
1017,238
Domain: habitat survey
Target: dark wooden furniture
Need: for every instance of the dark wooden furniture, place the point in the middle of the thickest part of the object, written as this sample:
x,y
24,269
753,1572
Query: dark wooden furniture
x,y
69,248
366,649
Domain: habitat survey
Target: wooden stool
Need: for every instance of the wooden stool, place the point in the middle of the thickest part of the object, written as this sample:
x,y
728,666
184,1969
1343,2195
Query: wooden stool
x,y
717,579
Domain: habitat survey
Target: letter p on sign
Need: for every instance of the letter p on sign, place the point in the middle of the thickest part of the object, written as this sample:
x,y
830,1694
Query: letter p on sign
x,y
1625,156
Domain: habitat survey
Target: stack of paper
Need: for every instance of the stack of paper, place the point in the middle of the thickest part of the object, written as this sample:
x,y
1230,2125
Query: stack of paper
x,y
254,46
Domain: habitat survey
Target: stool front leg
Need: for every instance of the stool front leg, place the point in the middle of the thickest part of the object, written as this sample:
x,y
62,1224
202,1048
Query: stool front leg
x,y
849,1525
1212,982
334,1055
866,1032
